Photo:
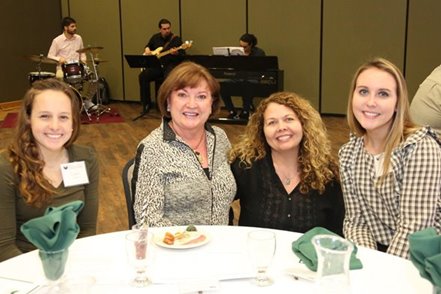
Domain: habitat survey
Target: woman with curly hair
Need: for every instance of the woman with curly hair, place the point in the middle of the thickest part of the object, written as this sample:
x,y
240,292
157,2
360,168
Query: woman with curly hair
x,y
391,168
30,170
286,176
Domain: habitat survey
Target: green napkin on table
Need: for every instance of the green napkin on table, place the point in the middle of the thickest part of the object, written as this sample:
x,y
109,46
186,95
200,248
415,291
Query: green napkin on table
x,y
425,254
57,229
305,250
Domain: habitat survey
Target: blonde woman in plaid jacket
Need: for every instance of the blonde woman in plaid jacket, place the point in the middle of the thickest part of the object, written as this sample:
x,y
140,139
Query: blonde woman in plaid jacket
x,y
390,168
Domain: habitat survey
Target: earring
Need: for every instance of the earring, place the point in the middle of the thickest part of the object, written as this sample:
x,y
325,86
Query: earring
x,y
168,108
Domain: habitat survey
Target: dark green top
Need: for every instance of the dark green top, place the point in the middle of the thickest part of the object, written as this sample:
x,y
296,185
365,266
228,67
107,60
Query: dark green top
x,y
14,212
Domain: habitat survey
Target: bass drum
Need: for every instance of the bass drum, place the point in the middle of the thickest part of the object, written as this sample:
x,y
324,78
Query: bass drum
x,y
79,98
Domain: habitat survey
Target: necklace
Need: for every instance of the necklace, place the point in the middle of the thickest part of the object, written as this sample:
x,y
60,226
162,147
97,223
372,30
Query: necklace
x,y
195,149
287,181
197,153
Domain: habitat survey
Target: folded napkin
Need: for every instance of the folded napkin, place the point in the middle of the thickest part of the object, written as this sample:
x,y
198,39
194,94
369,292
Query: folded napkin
x,y
57,229
305,250
425,254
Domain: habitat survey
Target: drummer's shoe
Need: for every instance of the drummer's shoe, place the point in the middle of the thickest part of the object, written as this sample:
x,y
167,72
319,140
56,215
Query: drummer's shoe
x,y
88,104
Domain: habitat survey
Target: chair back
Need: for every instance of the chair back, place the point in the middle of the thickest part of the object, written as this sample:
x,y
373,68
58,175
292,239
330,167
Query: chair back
x,y
127,175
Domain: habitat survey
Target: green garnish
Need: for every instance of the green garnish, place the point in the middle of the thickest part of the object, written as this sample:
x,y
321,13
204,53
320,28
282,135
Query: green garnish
x,y
191,228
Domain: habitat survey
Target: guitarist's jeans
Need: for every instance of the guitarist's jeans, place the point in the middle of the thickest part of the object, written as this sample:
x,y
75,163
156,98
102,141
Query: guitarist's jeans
x,y
145,77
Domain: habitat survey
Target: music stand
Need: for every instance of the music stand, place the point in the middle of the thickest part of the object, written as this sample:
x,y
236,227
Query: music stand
x,y
143,61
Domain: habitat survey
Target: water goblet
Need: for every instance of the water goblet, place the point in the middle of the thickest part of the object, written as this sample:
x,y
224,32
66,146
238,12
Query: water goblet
x,y
136,248
261,248
53,263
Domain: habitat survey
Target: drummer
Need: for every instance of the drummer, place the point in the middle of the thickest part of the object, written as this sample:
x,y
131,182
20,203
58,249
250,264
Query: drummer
x,y
64,47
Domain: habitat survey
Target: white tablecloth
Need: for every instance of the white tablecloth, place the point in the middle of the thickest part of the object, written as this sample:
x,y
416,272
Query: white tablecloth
x,y
219,263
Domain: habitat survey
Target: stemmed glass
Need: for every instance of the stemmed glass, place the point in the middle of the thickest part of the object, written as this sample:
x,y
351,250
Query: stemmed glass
x,y
261,248
53,263
136,248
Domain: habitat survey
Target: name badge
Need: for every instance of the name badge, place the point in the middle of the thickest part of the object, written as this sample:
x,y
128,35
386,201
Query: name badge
x,y
74,173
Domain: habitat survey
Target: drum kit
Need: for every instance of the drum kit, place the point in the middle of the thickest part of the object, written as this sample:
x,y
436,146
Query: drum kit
x,y
82,79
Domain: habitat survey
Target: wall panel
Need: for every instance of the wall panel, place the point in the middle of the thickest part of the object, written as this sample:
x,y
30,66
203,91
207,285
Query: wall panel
x,y
353,31
423,41
212,23
25,32
290,29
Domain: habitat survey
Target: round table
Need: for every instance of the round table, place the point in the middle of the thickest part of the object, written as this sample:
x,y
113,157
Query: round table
x,y
221,265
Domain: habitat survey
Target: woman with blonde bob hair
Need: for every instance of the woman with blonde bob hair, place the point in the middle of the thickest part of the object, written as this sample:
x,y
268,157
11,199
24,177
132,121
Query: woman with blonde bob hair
x,y
30,170
390,168
286,176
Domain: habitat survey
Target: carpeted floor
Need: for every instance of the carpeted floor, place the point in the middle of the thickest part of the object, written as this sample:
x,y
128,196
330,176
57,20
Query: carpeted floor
x,y
111,115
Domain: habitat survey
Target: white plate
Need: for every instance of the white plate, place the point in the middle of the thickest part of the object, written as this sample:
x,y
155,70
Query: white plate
x,y
157,239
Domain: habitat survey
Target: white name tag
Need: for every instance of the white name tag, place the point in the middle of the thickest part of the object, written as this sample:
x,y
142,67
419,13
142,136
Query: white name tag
x,y
74,173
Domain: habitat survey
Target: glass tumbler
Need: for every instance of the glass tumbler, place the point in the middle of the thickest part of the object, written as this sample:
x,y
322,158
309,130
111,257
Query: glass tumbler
x,y
333,257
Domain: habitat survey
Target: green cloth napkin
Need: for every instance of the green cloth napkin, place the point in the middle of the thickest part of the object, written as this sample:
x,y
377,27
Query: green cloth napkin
x,y
425,254
57,229
305,250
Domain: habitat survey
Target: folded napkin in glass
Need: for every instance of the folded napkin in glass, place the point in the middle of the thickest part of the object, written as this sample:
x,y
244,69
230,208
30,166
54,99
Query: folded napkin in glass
x,y
425,254
304,249
57,229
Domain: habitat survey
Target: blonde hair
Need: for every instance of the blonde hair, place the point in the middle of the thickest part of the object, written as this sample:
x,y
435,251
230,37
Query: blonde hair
x,y
24,154
317,165
402,124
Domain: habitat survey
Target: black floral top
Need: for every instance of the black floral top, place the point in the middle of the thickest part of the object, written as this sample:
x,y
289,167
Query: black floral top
x,y
265,203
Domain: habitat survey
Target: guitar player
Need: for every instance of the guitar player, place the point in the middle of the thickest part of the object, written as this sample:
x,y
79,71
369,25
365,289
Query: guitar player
x,y
165,40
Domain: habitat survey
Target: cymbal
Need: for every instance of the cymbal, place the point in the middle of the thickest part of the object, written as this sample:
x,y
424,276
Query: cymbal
x,y
41,58
92,49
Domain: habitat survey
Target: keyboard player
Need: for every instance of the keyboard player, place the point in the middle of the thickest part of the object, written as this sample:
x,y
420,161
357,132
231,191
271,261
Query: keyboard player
x,y
248,42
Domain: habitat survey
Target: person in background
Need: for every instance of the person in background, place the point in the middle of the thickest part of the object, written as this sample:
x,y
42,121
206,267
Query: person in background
x,y
249,44
166,40
390,168
425,108
286,176
30,170
181,174
64,47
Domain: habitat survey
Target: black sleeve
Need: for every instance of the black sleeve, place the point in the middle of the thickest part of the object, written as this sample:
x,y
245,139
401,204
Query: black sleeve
x,y
337,207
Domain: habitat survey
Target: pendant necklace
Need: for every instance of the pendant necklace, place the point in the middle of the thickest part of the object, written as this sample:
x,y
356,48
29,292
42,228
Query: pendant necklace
x,y
287,181
197,153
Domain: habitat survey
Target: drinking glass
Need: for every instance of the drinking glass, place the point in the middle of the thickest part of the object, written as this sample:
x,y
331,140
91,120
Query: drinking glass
x,y
333,257
136,248
261,248
53,263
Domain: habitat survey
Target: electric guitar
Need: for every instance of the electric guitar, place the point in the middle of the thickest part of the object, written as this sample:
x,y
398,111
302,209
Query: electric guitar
x,y
158,51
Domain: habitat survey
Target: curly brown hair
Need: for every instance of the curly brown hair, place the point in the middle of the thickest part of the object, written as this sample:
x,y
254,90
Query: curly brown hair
x,y
24,153
317,165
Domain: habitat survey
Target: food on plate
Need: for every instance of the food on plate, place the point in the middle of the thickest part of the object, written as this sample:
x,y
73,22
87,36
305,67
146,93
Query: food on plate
x,y
169,238
184,237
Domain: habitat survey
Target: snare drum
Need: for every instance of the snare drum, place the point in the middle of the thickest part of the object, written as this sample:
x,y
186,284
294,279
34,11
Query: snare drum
x,y
39,75
73,72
